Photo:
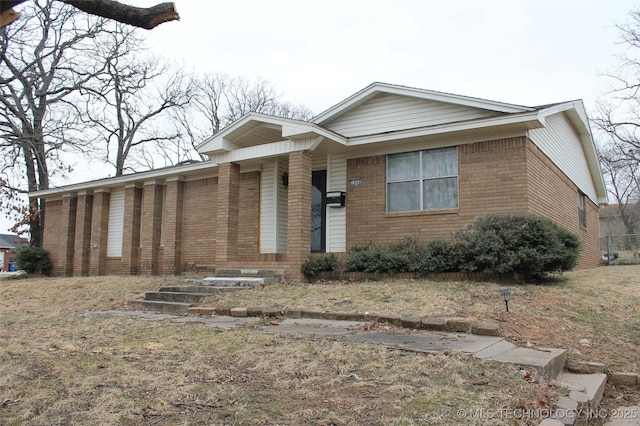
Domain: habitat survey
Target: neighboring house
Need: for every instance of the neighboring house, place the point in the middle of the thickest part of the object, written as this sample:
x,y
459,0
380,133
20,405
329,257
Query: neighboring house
x,y
387,162
9,243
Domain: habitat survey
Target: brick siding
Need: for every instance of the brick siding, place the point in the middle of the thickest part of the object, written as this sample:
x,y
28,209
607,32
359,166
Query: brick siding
x,y
199,213
51,236
507,175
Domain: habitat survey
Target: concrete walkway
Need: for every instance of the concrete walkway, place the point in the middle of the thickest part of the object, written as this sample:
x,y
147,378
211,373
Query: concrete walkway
x,y
548,363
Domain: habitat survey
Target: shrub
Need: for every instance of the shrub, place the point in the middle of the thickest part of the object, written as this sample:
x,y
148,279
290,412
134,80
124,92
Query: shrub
x,y
440,256
529,246
315,264
411,250
34,260
375,258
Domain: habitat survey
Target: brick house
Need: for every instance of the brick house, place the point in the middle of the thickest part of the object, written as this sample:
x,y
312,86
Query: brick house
x,y
9,243
387,162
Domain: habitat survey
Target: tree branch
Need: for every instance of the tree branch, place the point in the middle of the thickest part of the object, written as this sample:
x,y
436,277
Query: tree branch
x,y
147,18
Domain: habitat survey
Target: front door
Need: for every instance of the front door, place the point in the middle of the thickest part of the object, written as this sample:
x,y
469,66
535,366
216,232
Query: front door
x,y
318,211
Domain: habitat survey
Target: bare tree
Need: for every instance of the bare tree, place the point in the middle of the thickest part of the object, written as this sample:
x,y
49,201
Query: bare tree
x,y
147,18
617,118
618,112
129,101
623,183
220,100
43,66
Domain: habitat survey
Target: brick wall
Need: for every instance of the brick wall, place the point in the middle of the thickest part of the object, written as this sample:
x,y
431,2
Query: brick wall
x,y
299,213
153,196
493,178
99,230
553,195
51,238
249,217
199,224
82,247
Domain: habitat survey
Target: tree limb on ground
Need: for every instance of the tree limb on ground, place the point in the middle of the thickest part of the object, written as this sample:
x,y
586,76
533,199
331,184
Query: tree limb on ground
x,y
147,18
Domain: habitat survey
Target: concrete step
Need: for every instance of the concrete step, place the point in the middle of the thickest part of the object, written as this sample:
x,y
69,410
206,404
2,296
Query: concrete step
x,y
206,290
591,384
160,306
547,363
270,276
233,281
174,296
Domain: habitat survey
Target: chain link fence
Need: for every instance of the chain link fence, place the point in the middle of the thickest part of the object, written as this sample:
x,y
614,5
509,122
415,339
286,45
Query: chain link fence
x,y
620,249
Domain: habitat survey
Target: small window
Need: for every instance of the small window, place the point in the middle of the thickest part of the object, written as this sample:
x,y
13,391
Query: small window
x,y
582,214
422,180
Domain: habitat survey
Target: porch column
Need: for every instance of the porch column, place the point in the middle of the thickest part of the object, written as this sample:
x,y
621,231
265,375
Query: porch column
x,y
151,228
67,234
227,220
99,232
82,247
131,229
172,264
299,213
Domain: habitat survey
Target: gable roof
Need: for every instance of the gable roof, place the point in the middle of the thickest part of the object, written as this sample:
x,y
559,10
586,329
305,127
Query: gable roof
x,y
376,88
11,241
256,128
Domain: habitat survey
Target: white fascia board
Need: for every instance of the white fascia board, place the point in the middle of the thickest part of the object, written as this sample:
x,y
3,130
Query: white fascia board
x,y
294,131
221,144
165,172
369,91
267,150
532,120
293,125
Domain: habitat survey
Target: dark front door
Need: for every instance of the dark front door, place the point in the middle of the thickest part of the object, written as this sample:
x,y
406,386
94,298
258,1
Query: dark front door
x,y
318,211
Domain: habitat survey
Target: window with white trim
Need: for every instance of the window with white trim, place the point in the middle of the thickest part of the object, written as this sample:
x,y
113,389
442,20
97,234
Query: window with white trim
x,y
582,213
422,180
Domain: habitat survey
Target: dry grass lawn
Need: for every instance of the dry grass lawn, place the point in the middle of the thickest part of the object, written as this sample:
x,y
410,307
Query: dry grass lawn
x,y
60,367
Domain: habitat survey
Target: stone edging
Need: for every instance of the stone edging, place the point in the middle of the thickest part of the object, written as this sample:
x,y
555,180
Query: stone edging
x,y
452,324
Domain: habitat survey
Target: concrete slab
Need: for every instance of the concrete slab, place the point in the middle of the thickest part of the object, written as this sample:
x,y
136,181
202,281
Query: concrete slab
x,y
494,350
312,326
591,384
548,363
624,416
233,281
430,342
212,321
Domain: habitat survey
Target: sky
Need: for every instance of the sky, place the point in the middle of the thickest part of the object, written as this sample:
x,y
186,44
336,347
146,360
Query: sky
x,y
317,53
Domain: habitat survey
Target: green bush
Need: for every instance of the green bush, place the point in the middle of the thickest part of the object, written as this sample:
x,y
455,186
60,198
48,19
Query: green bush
x,y
411,250
375,258
34,260
315,264
440,256
528,246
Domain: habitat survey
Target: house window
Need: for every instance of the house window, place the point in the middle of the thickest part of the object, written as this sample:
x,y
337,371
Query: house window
x,y
582,214
422,180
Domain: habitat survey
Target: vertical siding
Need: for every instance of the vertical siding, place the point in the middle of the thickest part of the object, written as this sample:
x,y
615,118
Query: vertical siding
x,y
273,207
559,141
268,207
115,228
283,206
337,216
386,112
